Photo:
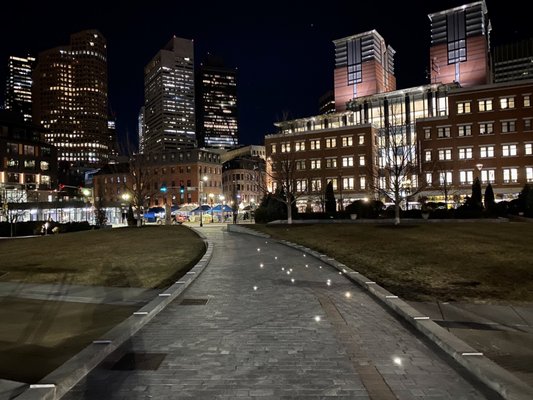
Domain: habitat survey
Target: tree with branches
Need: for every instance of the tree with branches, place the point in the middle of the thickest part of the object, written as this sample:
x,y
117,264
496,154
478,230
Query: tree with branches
x,y
396,175
286,188
139,185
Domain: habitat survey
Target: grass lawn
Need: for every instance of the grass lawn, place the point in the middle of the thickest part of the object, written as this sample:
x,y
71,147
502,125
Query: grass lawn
x,y
38,336
481,262
148,257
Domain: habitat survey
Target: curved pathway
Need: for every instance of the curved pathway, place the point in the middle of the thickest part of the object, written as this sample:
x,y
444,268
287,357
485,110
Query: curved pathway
x,y
276,325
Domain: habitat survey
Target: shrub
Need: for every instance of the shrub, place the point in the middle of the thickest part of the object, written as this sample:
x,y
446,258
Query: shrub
x,y
365,209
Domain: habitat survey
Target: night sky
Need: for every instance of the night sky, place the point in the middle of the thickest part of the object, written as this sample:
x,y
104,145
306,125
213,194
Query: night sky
x,y
283,50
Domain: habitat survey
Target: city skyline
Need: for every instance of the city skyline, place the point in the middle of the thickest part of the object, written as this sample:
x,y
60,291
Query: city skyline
x,y
284,54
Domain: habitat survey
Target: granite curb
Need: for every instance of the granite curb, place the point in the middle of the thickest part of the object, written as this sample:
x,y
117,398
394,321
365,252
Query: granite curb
x,y
61,380
479,366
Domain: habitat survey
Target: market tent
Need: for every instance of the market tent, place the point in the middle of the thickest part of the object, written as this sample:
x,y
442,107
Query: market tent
x,y
203,208
222,208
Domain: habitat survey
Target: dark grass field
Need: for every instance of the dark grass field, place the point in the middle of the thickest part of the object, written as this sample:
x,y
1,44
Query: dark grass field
x,y
479,262
37,336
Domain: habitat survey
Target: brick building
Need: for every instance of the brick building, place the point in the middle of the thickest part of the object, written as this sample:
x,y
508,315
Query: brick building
x,y
457,128
186,176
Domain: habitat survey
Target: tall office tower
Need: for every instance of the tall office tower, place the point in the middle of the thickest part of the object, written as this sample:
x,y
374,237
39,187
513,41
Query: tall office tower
x,y
169,98
460,45
216,97
140,129
513,62
364,65
18,86
70,99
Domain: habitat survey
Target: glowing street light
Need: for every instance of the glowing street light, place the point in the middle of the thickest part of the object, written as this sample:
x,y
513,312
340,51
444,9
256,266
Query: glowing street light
x,y
203,181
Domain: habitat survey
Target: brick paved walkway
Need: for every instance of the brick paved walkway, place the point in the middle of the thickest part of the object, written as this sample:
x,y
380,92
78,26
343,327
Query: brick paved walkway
x,y
277,325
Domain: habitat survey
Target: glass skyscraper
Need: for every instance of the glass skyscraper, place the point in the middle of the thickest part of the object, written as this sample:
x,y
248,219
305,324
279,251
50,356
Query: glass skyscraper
x,y
169,114
18,86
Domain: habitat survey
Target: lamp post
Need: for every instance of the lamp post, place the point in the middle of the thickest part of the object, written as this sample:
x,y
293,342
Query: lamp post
x,y
407,190
479,167
211,196
200,195
126,197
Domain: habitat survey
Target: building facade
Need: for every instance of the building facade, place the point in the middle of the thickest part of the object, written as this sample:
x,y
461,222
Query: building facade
x,y
70,99
243,181
174,177
513,62
169,115
432,140
28,168
18,86
364,65
459,51
217,105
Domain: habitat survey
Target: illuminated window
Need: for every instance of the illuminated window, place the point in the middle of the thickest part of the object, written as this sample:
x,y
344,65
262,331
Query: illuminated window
x,y
300,165
486,128
445,178
509,150
272,148
348,183
429,178
528,149
465,153
361,161
427,133
315,164
299,146
488,176
506,102
464,130
285,147
527,100
463,107
445,154
362,182
316,185
529,174
301,185
427,155
486,151
347,161
466,177
510,175
347,141
331,143
485,105
314,144
443,132
361,139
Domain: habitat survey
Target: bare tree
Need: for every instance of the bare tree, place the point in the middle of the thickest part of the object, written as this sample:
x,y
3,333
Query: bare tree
x,y
286,188
139,184
396,174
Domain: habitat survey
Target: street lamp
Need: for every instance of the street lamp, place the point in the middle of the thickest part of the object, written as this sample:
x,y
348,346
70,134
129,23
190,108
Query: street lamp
x,y
200,195
407,189
479,167
126,197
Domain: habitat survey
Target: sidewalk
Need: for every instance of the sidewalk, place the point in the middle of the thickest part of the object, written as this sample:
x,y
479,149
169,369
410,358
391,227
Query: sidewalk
x,y
503,333
265,321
